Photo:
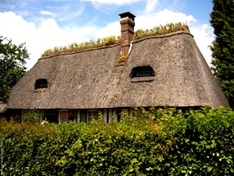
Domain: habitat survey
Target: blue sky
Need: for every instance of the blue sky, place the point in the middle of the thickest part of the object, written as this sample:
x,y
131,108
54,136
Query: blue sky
x,y
44,24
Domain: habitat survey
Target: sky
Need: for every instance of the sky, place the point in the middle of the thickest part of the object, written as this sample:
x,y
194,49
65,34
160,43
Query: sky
x,y
45,24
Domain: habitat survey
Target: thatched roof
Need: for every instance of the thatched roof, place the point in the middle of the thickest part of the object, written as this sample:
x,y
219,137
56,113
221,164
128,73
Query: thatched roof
x,y
94,79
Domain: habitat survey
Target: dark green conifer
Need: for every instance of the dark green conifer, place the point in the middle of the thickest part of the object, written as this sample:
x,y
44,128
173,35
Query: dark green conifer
x,y
222,20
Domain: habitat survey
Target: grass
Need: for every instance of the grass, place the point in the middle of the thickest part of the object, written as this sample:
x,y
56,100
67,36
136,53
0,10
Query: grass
x,y
75,47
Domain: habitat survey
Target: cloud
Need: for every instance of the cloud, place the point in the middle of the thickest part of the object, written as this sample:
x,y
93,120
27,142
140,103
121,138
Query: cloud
x,y
148,21
48,34
69,13
108,6
163,17
117,2
61,10
44,12
150,5
109,30
40,37
203,35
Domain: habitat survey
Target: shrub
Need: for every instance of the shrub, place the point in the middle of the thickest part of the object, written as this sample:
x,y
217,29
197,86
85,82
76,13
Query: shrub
x,y
154,142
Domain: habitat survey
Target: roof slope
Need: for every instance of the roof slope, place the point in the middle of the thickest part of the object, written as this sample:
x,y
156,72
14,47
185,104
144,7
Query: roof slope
x,y
94,78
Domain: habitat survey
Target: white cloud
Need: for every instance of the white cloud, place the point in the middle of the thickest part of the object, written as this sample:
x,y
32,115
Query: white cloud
x,y
163,17
39,38
150,5
148,21
107,6
203,35
66,14
48,34
44,12
109,30
118,2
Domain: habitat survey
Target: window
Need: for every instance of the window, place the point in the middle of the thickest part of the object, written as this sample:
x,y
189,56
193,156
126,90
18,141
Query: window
x,y
92,115
51,115
63,116
41,83
142,71
67,116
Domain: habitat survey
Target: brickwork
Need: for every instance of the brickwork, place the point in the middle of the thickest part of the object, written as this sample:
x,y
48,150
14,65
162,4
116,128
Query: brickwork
x,y
127,32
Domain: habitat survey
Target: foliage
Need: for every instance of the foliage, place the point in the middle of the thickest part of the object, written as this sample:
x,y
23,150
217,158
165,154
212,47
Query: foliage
x,y
31,116
74,47
155,142
222,20
12,61
122,58
159,30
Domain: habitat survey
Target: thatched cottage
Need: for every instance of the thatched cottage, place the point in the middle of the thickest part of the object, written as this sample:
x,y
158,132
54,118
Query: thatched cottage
x,y
165,69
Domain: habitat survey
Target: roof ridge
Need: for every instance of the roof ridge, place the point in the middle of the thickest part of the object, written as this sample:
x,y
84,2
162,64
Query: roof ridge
x,y
161,31
162,35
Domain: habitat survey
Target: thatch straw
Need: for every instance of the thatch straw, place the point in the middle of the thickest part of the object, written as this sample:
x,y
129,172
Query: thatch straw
x,y
94,78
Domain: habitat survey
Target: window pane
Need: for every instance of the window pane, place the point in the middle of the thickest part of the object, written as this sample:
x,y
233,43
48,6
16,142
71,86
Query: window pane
x,y
91,115
63,116
41,83
142,71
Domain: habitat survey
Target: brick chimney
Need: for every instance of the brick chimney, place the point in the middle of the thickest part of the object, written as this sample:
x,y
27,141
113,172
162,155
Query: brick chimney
x,y
127,30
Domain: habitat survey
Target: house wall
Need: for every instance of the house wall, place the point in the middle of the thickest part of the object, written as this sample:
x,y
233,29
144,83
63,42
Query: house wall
x,y
80,115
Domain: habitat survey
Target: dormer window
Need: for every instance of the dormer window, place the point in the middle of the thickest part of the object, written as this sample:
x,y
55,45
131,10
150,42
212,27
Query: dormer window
x,y
142,74
41,83
142,71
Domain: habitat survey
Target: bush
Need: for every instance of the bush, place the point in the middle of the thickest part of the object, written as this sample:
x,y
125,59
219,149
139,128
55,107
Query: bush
x,y
155,142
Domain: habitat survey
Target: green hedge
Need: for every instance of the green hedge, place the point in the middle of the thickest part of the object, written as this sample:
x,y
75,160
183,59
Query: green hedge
x,y
155,142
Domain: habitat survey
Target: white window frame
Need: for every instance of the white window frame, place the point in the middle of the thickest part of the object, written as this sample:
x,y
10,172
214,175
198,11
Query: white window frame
x,y
62,115
91,116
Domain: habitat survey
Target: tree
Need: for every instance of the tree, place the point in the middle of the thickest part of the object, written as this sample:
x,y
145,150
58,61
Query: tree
x,y
222,20
12,61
